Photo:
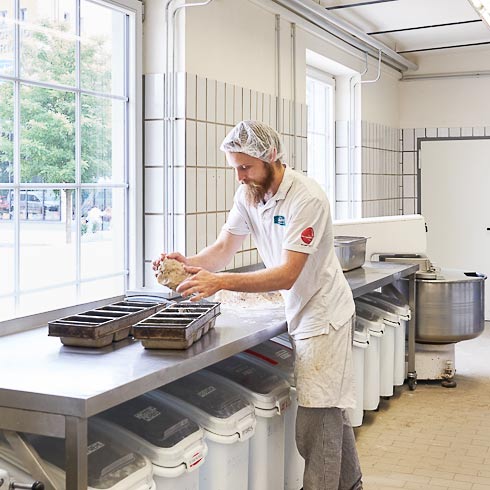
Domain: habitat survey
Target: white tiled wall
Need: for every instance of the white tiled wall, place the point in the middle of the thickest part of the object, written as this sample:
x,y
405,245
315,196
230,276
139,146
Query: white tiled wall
x,y
384,178
205,184
410,137
381,170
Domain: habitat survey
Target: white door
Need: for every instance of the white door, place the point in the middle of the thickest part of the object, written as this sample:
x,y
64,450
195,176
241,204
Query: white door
x,y
455,201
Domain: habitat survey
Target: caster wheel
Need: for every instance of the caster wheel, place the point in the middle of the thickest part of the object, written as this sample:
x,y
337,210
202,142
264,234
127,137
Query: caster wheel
x,y
412,383
448,383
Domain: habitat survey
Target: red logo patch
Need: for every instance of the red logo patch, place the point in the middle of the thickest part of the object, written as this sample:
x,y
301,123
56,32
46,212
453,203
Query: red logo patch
x,y
307,235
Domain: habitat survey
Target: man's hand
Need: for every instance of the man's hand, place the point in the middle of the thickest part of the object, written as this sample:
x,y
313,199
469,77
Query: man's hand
x,y
173,255
200,285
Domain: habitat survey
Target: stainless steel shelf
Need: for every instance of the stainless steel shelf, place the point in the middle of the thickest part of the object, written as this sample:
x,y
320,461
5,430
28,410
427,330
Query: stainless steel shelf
x,y
51,389
374,275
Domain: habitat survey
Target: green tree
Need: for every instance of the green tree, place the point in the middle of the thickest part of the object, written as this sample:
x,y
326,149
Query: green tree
x,y
6,132
47,140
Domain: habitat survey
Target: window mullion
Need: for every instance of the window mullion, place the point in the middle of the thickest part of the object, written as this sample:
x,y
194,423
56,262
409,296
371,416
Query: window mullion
x,y
127,150
78,154
16,130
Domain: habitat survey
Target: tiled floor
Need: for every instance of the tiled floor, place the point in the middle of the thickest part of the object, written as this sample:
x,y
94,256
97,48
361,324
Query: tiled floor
x,y
433,437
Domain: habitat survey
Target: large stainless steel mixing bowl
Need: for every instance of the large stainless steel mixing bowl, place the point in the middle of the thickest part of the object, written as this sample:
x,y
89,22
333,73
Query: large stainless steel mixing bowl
x,y
450,306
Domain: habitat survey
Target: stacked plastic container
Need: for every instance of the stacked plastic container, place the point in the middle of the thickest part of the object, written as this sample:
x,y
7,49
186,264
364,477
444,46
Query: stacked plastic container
x,y
359,346
111,466
165,435
372,362
278,355
228,421
269,394
375,303
393,300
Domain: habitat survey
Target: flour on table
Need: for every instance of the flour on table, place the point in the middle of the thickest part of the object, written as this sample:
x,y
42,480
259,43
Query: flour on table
x,y
249,300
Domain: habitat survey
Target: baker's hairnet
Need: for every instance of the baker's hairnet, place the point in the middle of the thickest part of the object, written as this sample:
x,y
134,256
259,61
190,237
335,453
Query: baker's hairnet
x,y
254,139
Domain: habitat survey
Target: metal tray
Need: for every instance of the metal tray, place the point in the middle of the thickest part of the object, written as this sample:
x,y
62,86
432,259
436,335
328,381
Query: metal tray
x,y
178,326
101,326
351,251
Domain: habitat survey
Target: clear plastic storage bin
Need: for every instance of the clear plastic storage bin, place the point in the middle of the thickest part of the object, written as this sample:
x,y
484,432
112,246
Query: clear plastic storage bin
x,y
111,466
359,345
228,421
269,394
165,435
278,355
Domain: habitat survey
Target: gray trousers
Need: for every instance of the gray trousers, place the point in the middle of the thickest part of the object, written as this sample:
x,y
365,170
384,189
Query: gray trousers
x,y
325,439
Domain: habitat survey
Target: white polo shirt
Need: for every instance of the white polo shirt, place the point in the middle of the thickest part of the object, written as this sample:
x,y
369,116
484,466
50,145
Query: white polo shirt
x,y
298,218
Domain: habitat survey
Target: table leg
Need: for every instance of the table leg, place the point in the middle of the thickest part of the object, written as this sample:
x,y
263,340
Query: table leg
x,y
76,453
412,293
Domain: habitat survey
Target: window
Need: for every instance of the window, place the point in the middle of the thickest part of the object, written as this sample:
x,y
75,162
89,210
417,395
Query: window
x,y
67,133
320,97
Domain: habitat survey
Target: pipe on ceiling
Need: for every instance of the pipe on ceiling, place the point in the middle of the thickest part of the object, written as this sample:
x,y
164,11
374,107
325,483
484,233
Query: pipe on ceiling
x,y
442,76
319,16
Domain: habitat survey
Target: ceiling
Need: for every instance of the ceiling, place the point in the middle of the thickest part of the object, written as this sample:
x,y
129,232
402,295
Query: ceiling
x,y
415,26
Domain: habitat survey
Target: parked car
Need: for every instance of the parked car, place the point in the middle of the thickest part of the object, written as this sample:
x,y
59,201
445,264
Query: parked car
x,y
51,205
33,203
4,204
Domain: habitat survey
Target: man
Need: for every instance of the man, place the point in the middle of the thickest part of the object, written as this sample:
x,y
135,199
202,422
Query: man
x,y
289,218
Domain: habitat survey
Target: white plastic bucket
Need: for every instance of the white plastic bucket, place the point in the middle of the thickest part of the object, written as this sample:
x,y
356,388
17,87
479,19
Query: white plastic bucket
x,y
166,436
400,349
269,393
278,355
394,301
359,346
228,421
226,466
372,362
369,308
395,313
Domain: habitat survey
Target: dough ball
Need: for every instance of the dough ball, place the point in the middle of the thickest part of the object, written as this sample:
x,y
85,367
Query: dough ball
x,y
171,273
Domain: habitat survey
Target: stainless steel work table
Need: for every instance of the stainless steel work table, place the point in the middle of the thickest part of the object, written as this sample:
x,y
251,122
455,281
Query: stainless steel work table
x,y
50,389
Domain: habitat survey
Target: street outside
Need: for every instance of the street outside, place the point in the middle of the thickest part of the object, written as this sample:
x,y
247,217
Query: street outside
x,y
47,260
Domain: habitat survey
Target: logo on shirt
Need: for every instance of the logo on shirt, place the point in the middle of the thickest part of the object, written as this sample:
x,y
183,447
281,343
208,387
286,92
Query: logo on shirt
x,y
280,220
307,235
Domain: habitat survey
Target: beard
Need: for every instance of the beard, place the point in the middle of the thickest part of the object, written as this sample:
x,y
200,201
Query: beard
x,y
256,191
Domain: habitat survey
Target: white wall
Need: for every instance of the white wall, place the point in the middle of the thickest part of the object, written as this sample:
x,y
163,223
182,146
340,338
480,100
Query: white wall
x,y
154,37
448,102
445,103
232,41
380,99
475,58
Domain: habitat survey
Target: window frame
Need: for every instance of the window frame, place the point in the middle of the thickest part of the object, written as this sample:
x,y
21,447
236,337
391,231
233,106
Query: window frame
x,y
328,79
133,176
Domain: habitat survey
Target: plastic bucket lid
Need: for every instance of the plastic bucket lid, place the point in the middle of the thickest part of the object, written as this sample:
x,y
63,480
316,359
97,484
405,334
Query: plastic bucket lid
x,y
213,404
390,304
161,432
275,356
367,308
109,463
283,339
361,331
262,386
370,320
